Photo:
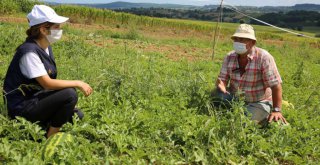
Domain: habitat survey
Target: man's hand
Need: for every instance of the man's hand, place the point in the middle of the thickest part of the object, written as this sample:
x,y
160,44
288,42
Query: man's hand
x,y
276,116
221,86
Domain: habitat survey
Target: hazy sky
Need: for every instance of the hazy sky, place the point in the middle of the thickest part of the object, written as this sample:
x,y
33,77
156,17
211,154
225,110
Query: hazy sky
x,y
203,2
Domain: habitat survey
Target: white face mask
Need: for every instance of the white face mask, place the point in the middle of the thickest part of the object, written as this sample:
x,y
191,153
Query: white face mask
x,y
54,36
239,47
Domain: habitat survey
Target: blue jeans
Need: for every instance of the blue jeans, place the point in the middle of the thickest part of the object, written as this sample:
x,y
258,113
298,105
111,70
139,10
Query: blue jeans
x,y
221,99
259,110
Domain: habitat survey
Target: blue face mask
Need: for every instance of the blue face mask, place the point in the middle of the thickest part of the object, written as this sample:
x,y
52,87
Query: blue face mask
x,y
239,48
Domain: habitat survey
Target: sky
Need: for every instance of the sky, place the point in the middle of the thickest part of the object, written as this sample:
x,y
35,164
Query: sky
x,y
203,2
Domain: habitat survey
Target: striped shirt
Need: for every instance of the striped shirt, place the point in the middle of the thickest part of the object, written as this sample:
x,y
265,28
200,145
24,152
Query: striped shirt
x,y
260,74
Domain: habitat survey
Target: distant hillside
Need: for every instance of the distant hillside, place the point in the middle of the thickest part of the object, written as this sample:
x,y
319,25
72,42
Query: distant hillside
x,y
128,5
312,7
248,9
270,9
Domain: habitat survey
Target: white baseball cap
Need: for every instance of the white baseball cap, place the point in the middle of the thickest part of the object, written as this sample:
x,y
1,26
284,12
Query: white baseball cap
x,y
42,13
245,31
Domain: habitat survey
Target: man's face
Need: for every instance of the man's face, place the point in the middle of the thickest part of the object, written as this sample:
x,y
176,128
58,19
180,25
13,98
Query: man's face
x,y
249,43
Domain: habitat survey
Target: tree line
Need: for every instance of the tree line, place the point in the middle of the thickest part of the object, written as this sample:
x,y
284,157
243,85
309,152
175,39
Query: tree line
x,y
295,19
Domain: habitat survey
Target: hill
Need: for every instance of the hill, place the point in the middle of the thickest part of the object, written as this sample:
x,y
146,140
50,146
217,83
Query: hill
x,y
282,16
128,5
252,9
122,5
307,7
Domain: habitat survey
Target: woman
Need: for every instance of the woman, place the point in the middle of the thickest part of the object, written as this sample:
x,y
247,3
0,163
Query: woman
x,y
31,89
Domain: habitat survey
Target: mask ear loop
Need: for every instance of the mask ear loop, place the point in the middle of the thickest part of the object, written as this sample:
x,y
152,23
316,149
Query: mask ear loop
x,y
48,28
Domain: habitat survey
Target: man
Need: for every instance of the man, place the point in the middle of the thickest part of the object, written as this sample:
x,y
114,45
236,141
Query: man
x,y
251,72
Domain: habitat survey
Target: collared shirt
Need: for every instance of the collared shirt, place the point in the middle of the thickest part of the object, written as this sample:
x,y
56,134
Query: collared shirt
x,y
260,74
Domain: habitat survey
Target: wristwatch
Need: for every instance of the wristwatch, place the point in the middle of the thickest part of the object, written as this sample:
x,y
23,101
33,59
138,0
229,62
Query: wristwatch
x,y
276,109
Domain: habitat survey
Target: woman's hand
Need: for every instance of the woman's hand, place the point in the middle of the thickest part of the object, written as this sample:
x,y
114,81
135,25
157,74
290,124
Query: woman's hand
x,y
85,88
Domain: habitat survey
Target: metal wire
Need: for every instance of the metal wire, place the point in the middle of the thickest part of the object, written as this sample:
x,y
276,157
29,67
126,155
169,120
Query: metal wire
x,y
217,30
276,27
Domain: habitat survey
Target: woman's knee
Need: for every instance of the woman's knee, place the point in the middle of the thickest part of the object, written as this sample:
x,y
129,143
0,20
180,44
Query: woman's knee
x,y
71,94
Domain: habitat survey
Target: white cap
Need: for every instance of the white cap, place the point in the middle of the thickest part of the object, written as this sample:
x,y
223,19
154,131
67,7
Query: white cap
x,y
244,31
42,13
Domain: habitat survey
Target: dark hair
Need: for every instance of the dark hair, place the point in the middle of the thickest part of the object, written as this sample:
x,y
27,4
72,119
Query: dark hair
x,y
34,31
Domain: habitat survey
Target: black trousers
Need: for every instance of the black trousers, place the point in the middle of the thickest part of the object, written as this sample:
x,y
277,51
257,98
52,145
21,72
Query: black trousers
x,y
53,108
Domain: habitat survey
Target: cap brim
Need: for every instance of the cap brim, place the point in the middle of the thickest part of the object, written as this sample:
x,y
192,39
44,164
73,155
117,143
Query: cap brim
x,y
243,35
59,19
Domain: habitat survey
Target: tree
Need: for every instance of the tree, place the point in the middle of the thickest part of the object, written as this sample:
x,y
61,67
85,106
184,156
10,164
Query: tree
x,y
300,28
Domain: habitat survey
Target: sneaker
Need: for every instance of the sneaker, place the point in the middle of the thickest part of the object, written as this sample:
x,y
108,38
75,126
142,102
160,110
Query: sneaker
x,y
79,113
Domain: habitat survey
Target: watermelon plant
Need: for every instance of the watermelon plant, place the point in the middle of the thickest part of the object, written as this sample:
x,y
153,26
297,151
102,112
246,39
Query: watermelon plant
x,y
151,101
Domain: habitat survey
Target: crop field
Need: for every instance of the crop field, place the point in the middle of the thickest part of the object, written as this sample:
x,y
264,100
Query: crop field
x,y
151,102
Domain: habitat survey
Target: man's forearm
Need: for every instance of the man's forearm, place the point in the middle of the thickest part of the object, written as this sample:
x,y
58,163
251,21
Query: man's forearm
x,y
277,96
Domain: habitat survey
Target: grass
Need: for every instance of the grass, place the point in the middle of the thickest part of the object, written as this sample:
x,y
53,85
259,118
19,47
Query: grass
x,y
312,29
151,99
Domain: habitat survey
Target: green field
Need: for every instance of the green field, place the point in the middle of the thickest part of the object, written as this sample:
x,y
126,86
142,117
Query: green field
x,y
312,29
151,101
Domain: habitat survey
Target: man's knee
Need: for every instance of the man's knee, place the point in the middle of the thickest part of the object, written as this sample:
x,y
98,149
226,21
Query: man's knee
x,y
221,99
259,111
222,96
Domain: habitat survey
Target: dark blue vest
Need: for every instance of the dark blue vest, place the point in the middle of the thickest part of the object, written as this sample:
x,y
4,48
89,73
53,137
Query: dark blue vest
x,y
19,89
